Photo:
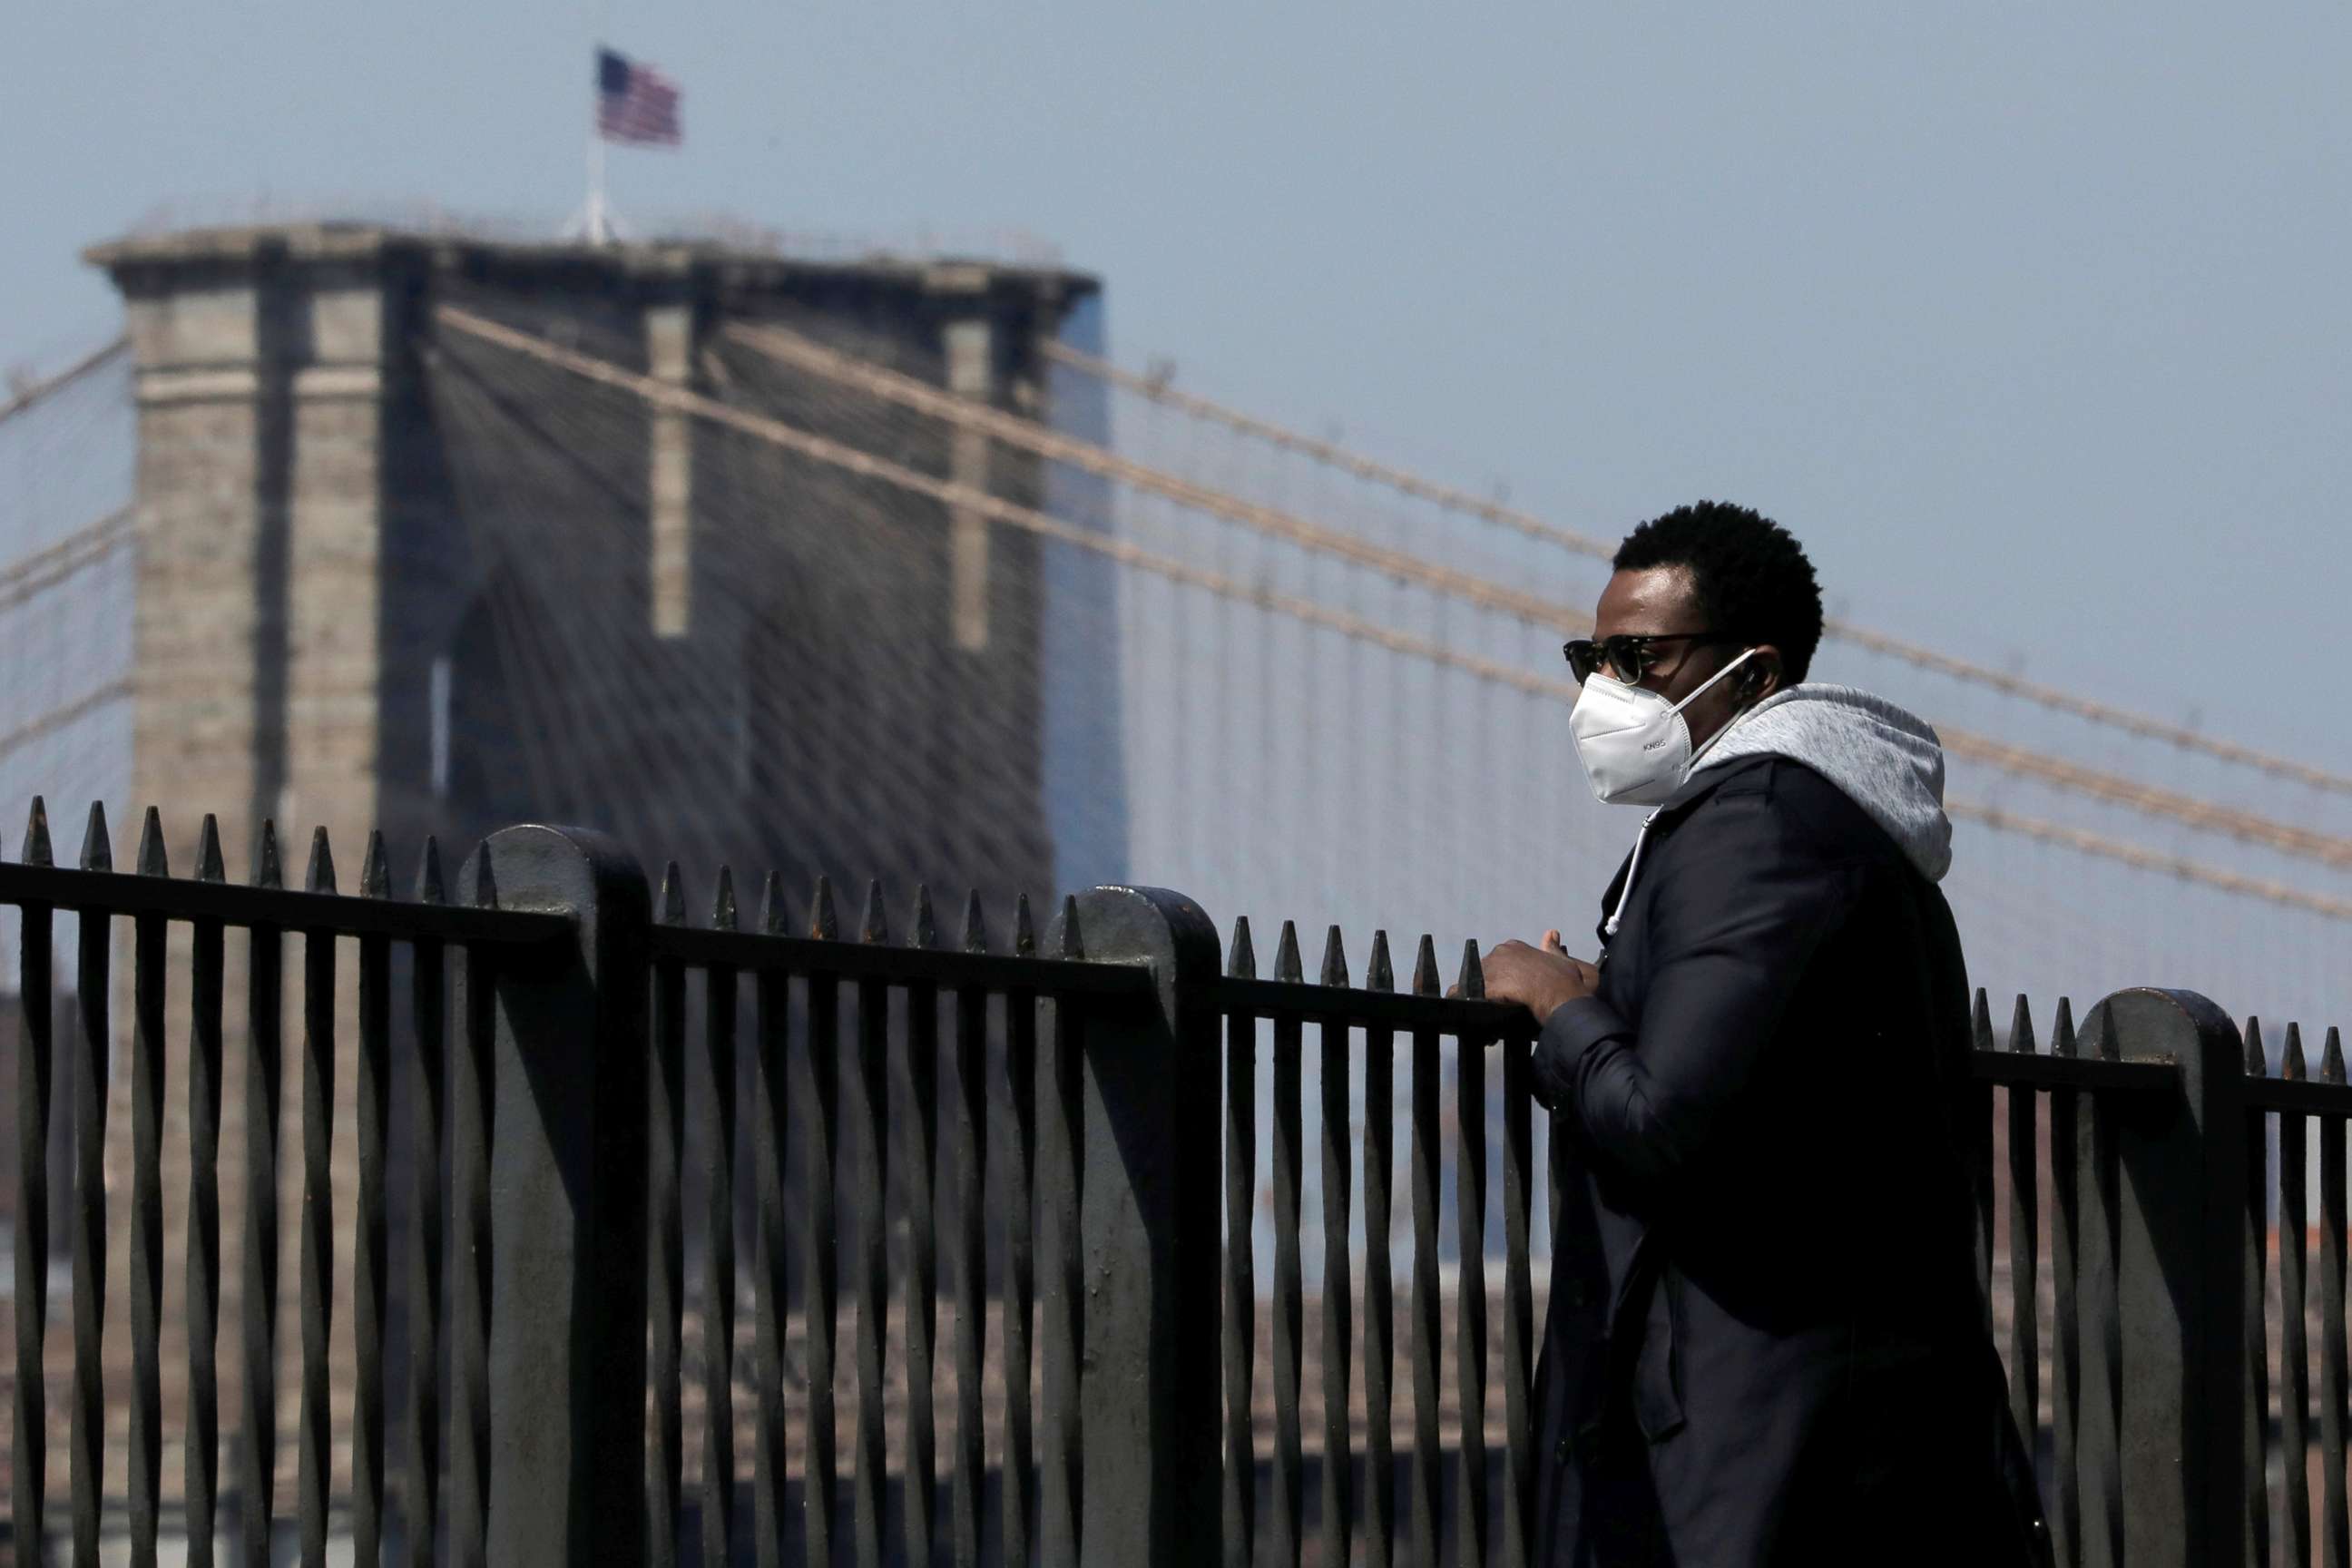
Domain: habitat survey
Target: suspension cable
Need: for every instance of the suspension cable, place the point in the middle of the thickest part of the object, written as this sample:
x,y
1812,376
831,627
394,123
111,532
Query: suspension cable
x,y
964,497
909,392
42,388
1332,455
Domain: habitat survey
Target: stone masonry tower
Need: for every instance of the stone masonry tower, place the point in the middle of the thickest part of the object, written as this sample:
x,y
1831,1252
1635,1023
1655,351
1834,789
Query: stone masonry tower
x,y
329,631
306,556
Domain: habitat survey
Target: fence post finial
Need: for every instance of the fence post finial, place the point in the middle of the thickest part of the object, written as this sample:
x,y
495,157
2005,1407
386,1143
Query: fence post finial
x,y
97,851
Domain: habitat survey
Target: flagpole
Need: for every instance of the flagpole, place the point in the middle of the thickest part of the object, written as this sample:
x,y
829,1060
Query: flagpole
x,y
597,221
593,223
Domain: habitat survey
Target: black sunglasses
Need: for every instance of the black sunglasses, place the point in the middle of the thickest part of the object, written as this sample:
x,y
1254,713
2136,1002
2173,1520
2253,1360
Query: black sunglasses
x,y
1626,656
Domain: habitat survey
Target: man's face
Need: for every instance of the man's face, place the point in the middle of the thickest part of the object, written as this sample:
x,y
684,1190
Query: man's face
x,y
1662,601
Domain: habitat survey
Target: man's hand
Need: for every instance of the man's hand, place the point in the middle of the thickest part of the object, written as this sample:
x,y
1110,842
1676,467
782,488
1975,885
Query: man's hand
x,y
1538,979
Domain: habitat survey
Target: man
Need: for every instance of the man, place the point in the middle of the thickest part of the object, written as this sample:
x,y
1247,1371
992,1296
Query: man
x,y
1767,1347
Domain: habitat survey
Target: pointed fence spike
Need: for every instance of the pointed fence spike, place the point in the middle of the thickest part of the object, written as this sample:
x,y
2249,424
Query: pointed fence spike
x,y
1025,930
2062,1028
975,924
2020,1027
1424,968
722,902
2331,1058
2257,1062
1378,976
824,924
321,876
2290,1059
774,921
925,927
209,866
1980,1022
375,881
1285,954
1474,973
486,883
37,833
429,888
1072,947
268,872
152,862
670,910
1242,959
877,924
97,852
1335,960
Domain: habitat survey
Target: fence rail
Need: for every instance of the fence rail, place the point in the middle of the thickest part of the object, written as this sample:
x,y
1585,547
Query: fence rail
x,y
1055,1145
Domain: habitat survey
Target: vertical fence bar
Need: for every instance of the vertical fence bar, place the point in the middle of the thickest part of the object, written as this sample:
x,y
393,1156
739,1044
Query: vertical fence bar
x,y
666,1276
2255,1543
427,1106
772,1004
2295,1348
819,1096
472,1123
1241,1264
148,973
258,1387
1017,1199
869,1280
1379,1278
2065,1341
715,1075
1148,1224
1979,1155
92,978
1518,1302
34,1090
368,1258
971,1259
204,1213
1470,1293
314,1453
1061,1163
2183,1166
1424,1326
919,1158
2335,1534
1289,1288
2099,1472
568,1154
1338,1150
2024,1255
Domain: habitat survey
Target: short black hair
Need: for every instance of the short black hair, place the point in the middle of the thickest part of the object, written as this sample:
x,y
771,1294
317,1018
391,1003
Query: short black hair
x,y
1751,576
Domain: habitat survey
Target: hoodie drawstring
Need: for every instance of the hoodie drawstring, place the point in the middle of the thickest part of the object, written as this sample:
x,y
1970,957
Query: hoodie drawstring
x,y
1625,892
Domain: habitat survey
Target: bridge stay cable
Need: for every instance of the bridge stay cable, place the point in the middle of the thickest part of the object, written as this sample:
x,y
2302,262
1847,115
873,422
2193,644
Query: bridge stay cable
x,y
803,353
1450,498
39,391
952,494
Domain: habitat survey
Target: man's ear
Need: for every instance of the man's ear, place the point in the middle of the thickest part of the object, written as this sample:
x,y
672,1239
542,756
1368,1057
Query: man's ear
x,y
1761,676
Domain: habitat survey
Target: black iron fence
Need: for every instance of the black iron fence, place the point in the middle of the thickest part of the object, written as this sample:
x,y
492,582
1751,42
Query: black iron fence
x,y
581,1078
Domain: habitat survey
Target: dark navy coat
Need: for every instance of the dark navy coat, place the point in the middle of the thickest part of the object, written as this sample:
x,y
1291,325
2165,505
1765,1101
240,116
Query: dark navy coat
x,y
1765,1342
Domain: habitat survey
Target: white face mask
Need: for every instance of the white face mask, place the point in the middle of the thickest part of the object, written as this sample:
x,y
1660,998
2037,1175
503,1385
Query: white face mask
x,y
1633,744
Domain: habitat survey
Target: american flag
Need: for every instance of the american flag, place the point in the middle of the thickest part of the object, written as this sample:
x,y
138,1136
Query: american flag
x,y
634,102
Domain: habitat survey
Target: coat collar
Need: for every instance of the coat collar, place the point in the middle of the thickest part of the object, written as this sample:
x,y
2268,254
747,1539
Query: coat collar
x,y
1695,789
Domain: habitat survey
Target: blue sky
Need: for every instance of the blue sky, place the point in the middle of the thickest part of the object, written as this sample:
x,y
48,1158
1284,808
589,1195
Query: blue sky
x,y
2030,321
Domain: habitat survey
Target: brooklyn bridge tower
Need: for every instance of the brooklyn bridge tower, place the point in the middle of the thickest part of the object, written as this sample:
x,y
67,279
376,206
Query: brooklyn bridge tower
x,y
395,574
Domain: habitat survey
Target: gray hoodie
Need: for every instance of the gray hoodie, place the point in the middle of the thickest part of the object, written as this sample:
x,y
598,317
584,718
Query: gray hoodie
x,y
1889,762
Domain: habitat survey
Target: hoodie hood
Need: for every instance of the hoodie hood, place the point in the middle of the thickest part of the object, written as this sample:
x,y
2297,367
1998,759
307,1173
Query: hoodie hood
x,y
1888,761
